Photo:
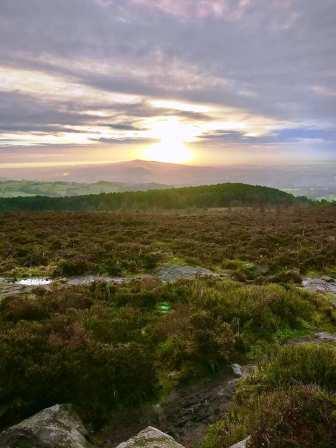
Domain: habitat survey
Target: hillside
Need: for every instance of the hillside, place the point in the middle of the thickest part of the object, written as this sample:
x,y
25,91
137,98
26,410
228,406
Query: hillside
x,y
221,195
317,176
28,188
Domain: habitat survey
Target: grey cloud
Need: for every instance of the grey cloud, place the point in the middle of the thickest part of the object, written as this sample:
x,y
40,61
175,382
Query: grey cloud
x,y
271,55
126,141
124,127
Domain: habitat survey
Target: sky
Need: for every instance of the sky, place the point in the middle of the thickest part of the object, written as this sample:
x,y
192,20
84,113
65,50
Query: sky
x,y
205,82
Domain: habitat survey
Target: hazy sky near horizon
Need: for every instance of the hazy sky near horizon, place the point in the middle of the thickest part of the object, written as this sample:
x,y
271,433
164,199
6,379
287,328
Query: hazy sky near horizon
x,y
196,81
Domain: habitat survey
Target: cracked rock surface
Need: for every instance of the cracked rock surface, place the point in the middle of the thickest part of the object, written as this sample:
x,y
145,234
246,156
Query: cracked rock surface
x,y
55,427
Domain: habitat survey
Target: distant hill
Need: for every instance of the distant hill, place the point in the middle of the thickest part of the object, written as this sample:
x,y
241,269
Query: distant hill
x,y
221,195
151,172
133,171
27,188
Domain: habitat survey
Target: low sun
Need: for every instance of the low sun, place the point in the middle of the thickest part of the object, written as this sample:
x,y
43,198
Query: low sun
x,y
172,146
170,150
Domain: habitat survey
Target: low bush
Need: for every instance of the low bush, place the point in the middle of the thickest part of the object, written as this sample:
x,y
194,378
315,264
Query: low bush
x,y
255,244
60,361
302,416
74,266
193,343
292,365
107,346
289,401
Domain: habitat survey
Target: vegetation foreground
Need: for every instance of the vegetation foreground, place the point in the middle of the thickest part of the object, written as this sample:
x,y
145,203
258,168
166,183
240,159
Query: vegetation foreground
x,y
109,349
254,243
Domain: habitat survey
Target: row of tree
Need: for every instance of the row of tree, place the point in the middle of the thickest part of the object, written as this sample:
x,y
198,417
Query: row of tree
x,y
221,195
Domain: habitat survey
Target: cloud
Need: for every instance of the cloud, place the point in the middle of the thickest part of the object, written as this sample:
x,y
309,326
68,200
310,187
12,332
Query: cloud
x,y
198,8
246,71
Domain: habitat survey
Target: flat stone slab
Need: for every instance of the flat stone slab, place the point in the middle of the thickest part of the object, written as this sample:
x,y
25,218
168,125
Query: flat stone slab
x,y
325,285
55,427
151,438
89,279
173,273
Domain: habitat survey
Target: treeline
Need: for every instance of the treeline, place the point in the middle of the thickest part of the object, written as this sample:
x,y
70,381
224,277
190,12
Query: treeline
x,y
221,195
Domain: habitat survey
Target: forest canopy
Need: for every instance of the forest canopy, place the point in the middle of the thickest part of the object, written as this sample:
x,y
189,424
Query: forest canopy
x,y
211,196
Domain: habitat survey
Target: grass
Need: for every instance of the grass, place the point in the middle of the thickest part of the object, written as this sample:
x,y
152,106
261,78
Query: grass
x,y
289,401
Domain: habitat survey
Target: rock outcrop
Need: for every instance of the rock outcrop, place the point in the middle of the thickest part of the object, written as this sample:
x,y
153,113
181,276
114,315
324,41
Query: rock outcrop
x,y
55,427
173,273
151,438
242,444
324,284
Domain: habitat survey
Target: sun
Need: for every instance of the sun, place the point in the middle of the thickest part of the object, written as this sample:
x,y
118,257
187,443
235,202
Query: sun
x,y
172,146
169,150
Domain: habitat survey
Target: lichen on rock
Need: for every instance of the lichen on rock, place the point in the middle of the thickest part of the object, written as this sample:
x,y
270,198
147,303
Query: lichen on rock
x,y
55,427
151,438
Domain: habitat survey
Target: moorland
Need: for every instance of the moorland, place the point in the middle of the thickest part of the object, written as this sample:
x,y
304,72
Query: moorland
x,y
118,351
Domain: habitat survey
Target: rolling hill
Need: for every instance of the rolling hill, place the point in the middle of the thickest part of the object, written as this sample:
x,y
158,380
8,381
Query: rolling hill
x,y
300,178
28,188
220,195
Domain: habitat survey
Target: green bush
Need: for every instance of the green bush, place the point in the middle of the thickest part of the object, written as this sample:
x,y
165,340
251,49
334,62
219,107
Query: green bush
x,y
150,261
74,266
289,401
301,364
302,416
193,343
258,314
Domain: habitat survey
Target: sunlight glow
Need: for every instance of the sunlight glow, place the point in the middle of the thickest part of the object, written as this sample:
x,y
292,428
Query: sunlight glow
x,y
173,137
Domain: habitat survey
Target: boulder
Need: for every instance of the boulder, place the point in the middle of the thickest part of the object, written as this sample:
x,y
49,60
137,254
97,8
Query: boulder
x,y
151,438
55,427
242,444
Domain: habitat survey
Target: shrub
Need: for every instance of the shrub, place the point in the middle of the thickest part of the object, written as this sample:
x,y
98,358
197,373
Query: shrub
x,y
258,313
75,266
194,342
277,240
151,260
302,416
289,276
301,364
104,346
59,360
